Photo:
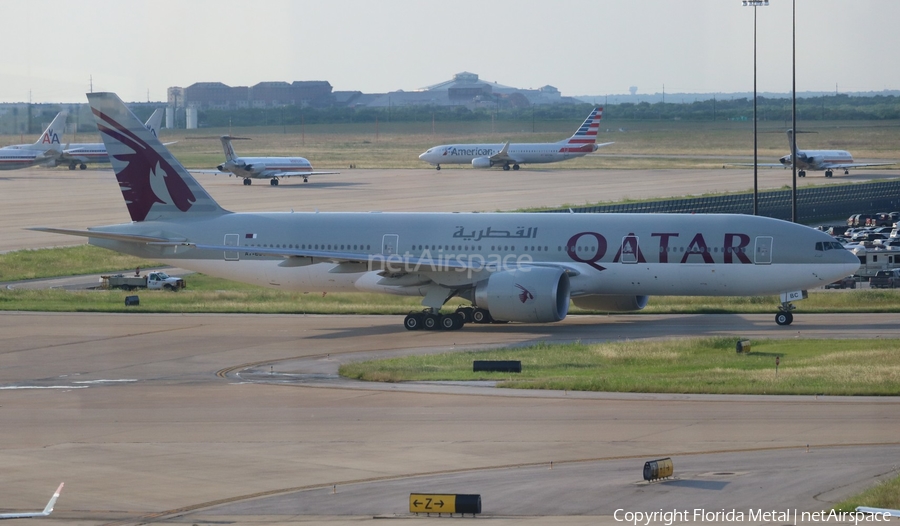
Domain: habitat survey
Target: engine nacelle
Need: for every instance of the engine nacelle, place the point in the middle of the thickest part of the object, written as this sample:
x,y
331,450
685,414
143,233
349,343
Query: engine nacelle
x,y
482,162
530,294
606,303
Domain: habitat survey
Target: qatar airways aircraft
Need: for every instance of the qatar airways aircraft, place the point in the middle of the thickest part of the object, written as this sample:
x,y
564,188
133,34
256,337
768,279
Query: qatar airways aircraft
x,y
271,168
44,151
48,509
488,155
818,160
80,154
512,267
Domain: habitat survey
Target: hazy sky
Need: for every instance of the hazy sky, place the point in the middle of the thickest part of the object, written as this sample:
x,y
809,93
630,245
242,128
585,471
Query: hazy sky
x,y
583,47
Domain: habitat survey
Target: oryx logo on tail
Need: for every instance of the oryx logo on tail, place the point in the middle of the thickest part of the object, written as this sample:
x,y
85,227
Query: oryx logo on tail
x,y
147,177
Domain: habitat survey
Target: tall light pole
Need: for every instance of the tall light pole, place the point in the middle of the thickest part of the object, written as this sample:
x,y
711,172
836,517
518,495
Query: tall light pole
x,y
755,4
794,111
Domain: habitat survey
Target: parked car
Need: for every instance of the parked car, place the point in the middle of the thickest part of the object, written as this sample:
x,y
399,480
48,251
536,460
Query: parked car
x,y
848,282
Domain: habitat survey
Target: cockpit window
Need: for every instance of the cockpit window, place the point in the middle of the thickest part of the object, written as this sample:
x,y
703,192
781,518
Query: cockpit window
x,y
822,246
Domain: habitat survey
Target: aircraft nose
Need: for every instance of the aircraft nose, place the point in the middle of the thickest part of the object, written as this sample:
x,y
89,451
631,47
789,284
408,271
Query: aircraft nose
x,y
423,156
849,262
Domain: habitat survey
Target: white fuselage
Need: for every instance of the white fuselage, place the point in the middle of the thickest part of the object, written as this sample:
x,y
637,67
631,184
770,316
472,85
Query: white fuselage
x,y
819,159
265,167
522,153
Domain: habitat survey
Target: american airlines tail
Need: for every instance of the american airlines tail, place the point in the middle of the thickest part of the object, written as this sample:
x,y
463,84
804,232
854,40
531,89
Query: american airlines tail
x,y
51,139
154,184
585,139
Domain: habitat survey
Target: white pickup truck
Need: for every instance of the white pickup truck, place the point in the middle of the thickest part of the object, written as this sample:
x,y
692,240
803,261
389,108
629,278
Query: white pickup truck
x,y
152,281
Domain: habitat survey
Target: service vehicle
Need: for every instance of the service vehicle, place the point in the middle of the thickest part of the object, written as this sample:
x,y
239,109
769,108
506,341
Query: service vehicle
x,y
152,280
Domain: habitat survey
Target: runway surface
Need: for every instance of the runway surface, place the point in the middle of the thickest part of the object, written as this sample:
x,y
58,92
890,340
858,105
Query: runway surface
x,y
207,419
159,416
79,199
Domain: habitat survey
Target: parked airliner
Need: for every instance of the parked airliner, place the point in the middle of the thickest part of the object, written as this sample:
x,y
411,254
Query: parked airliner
x,y
818,160
48,509
44,151
271,168
81,154
512,155
510,266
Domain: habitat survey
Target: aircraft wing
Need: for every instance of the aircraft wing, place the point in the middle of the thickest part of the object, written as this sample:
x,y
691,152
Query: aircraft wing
x,y
214,172
880,511
503,155
28,515
855,165
131,238
766,165
296,174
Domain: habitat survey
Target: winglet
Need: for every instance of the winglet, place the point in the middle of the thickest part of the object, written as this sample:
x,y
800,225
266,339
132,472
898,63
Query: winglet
x,y
49,508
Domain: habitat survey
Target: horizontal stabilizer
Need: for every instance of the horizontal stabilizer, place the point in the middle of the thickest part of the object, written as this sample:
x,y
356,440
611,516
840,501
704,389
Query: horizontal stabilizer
x,y
131,238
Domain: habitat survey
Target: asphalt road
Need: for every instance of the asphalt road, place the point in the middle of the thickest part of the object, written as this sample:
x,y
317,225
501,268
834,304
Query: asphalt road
x,y
199,419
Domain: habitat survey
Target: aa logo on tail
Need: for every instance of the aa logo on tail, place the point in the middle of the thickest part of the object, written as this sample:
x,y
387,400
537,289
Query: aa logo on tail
x,y
50,137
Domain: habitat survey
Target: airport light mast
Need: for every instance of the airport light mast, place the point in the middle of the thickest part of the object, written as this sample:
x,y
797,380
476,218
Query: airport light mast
x,y
754,4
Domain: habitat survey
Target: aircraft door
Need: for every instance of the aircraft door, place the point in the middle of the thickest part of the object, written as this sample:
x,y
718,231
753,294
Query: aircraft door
x,y
763,253
231,240
390,244
629,249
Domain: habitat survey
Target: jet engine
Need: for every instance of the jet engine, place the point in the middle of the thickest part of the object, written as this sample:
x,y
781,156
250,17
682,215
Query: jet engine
x,y
530,294
606,303
482,162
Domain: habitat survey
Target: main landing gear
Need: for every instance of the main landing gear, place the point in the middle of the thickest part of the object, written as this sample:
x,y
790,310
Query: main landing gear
x,y
802,173
437,167
248,182
828,173
273,182
433,321
506,167
82,166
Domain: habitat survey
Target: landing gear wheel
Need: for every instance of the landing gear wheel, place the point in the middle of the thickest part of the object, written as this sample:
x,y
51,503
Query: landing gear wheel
x,y
846,172
71,166
466,313
273,182
438,168
247,182
828,173
505,167
451,322
305,180
515,167
82,166
784,318
413,322
801,173
430,322
481,316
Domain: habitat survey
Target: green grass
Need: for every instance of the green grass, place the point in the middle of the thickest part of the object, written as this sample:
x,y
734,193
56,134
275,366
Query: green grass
x,y
703,365
884,495
69,261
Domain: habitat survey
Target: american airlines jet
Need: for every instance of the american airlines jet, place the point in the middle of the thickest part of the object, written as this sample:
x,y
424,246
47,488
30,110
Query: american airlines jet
x,y
44,151
512,155
511,267
271,168
81,154
818,160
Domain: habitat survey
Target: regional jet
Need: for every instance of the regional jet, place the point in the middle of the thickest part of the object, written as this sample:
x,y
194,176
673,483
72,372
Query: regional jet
x,y
271,168
80,154
32,514
44,151
818,160
512,155
520,267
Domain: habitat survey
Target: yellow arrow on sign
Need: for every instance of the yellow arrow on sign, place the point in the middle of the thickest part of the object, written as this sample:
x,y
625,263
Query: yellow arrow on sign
x,y
431,503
